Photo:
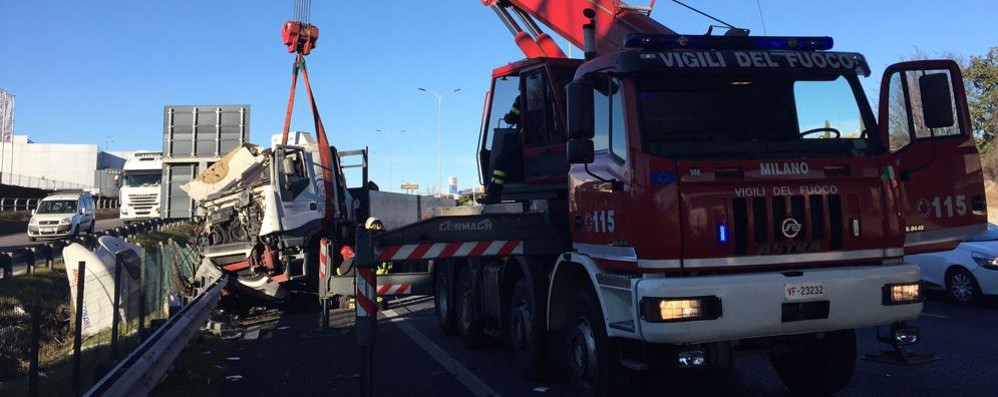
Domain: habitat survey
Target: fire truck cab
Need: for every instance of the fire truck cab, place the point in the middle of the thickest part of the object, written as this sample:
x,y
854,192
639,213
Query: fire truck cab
x,y
702,195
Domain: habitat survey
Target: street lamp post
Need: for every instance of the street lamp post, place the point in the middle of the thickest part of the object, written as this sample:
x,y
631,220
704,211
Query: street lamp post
x,y
440,99
390,176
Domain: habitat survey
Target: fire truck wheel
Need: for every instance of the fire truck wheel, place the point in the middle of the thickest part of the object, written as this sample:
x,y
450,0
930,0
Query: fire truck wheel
x,y
443,303
590,365
819,367
525,331
469,322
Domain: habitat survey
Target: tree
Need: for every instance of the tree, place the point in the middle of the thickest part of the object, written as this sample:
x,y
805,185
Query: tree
x,y
980,81
981,78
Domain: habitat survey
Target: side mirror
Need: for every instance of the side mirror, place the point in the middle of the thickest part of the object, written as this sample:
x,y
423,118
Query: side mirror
x,y
581,151
581,122
937,100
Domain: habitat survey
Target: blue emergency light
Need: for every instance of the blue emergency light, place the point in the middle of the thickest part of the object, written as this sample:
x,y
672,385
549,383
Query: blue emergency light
x,y
683,42
722,233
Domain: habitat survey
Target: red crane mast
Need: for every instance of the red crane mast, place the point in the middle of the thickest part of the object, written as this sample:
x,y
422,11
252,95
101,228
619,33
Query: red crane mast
x,y
613,19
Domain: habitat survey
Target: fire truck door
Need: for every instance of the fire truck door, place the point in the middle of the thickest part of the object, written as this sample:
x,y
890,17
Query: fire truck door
x,y
924,115
544,157
500,129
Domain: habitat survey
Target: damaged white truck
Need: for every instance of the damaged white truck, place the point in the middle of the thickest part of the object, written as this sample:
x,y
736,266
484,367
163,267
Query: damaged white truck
x,y
262,216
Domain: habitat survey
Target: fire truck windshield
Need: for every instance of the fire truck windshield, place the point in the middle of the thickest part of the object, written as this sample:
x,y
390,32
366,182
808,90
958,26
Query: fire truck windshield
x,y
777,115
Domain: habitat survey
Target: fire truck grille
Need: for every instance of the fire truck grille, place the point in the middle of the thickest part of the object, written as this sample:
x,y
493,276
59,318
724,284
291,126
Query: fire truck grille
x,y
761,220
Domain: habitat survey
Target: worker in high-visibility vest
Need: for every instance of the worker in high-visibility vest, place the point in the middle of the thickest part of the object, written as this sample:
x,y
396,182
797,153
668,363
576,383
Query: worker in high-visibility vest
x,y
493,190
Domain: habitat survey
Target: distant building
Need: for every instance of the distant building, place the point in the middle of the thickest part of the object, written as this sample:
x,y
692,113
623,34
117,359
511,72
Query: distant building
x,y
6,116
53,166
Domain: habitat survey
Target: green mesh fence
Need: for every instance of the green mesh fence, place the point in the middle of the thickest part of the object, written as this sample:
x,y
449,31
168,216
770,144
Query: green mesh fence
x,y
163,284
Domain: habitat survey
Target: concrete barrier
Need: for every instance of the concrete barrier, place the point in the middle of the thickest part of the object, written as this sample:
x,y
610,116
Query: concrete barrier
x,y
397,209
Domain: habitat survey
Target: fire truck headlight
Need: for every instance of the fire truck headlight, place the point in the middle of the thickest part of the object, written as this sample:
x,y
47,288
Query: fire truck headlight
x,y
900,294
680,309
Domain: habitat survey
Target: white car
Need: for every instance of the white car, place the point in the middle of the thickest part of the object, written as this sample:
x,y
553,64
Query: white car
x,y
967,272
62,215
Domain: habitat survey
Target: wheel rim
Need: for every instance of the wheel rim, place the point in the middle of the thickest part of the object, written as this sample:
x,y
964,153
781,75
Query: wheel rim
x,y
961,287
520,327
582,354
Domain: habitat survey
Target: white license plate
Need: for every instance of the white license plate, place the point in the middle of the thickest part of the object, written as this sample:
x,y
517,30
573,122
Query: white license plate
x,y
48,230
803,291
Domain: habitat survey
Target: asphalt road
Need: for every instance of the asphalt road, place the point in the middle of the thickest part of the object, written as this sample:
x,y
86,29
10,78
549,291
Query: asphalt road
x,y
413,358
21,239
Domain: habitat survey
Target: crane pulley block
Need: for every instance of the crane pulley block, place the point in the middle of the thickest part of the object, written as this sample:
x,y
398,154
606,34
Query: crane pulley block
x,y
299,37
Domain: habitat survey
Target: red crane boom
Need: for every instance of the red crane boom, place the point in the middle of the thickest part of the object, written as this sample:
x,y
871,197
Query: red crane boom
x,y
614,20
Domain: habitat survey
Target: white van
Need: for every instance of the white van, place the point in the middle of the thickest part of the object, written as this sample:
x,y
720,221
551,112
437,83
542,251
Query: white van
x,y
62,214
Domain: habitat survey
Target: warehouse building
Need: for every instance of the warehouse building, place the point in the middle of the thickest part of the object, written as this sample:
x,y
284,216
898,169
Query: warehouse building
x,y
53,166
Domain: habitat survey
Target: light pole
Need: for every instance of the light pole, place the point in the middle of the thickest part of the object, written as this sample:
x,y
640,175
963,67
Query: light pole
x,y
440,100
390,136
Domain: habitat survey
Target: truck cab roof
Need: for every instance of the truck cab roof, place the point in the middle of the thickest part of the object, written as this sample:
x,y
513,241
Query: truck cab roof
x,y
144,161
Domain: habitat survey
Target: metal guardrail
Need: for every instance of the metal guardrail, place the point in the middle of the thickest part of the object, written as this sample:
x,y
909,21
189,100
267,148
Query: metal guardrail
x,y
18,204
38,183
104,203
12,204
29,255
141,370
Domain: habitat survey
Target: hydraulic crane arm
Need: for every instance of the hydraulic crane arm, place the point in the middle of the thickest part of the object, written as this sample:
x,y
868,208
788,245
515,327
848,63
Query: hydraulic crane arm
x,y
614,21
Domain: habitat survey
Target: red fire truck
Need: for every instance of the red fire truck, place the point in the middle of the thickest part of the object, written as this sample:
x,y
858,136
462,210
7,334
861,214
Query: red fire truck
x,y
672,200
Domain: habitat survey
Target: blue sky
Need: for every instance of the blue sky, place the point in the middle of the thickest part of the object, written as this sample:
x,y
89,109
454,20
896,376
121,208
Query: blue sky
x,y
84,71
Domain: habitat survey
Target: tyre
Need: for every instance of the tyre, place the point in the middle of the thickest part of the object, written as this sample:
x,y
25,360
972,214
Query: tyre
x,y
590,364
962,287
443,303
525,330
819,366
469,320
